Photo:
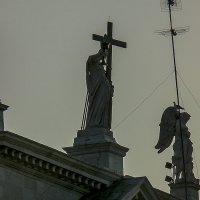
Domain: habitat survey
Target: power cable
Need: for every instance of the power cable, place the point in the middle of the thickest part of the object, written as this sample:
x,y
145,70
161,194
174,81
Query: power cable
x,y
143,101
84,119
190,92
181,99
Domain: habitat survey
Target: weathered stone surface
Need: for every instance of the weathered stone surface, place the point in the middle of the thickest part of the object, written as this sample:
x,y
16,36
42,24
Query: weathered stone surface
x,y
33,171
178,190
21,186
103,155
98,147
95,135
129,188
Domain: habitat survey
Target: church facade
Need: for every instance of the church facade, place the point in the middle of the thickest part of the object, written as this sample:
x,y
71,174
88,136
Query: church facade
x,y
32,171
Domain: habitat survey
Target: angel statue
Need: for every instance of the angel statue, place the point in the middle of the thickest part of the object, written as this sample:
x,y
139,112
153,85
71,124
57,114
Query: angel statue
x,y
173,124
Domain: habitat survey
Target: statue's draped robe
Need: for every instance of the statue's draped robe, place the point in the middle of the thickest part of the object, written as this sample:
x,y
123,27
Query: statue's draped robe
x,y
187,148
99,93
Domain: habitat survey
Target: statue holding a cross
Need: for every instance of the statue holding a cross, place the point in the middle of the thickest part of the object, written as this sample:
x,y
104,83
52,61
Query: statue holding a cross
x,y
99,91
98,107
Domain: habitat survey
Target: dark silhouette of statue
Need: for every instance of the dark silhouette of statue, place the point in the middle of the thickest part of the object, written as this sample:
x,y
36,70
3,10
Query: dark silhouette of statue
x,y
173,125
99,91
177,159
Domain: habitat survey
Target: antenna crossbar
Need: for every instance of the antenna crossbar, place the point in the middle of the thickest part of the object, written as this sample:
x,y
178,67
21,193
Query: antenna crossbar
x,y
175,5
174,32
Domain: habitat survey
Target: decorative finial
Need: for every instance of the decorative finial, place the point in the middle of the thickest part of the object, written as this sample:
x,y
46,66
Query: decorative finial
x,y
3,107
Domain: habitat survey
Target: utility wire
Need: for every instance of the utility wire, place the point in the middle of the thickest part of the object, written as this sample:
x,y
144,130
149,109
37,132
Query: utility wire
x,y
189,91
181,99
85,112
143,101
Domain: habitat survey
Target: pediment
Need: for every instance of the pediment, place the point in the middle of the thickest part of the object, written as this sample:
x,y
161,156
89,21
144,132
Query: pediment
x,y
128,188
143,190
139,196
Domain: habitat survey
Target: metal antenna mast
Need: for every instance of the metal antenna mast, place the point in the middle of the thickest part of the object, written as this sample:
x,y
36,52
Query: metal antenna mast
x,y
175,5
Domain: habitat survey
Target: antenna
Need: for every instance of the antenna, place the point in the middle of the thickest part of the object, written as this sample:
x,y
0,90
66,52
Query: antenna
x,y
175,32
174,5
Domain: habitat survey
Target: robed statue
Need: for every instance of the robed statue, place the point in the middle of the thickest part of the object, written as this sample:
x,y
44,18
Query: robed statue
x,y
173,125
99,91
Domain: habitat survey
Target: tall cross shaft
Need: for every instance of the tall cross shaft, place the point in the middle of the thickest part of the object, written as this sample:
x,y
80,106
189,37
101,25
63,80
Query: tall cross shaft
x,y
108,38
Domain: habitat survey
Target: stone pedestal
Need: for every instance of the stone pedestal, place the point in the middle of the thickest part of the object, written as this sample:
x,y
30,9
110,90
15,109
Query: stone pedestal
x,y
2,109
178,190
98,147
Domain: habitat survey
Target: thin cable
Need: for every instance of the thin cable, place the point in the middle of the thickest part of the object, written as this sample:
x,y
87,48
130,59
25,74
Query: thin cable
x,y
189,91
181,98
170,2
85,113
180,95
143,101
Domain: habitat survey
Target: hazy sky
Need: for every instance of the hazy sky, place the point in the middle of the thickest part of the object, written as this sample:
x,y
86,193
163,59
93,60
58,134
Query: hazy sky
x,y
44,45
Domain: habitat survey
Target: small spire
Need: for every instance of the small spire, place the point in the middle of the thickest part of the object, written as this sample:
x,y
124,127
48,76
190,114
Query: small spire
x,y
3,107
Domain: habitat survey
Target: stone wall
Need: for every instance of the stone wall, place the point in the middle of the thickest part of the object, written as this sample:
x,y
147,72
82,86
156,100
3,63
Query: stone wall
x,y
32,171
15,185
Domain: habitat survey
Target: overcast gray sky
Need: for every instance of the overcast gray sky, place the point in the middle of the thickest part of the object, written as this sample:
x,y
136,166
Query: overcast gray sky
x,y
44,45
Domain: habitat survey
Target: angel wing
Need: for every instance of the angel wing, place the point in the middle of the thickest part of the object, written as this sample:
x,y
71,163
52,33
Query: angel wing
x,y
167,128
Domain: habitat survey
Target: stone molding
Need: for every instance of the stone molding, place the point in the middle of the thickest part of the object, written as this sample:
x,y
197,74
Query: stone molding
x,y
182,185
98,147
89,148
93,135
178,190
39,160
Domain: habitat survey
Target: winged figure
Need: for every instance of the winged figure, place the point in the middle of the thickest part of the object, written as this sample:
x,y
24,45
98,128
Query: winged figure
x,y
167,128
173,124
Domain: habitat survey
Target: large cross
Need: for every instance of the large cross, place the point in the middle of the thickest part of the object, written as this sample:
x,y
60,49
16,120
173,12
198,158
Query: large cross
x,y
107,38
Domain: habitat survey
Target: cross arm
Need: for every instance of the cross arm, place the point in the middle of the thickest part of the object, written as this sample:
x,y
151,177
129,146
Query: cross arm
x,y
119,43
97,37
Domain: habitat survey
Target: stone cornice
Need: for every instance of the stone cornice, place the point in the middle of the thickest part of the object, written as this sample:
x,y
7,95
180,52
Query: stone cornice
x,y
109,146
37,159
194,185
